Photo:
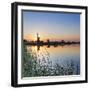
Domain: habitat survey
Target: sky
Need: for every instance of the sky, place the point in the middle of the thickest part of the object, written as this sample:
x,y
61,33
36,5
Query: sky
x,y
55,26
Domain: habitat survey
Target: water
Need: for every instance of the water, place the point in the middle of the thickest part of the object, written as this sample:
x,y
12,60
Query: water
x,y
64,56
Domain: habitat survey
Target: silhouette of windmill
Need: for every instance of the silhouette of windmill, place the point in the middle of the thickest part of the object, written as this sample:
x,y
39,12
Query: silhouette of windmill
x,y
38,42
38,38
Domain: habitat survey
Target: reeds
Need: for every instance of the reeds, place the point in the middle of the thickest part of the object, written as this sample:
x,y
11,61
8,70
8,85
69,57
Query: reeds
x,y
33,66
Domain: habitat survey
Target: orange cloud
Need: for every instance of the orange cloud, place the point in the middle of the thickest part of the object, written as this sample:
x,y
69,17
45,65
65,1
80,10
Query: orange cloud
x,y
53,37
28,37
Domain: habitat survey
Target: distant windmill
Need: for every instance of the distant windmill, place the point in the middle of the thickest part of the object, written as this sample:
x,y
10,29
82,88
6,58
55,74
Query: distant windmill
x,y
38,38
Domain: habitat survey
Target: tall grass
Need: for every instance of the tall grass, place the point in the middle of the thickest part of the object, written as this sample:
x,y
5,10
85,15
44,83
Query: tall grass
x,y
33,66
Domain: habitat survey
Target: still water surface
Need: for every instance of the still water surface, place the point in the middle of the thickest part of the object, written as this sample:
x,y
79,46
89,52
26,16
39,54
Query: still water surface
x,y
63,55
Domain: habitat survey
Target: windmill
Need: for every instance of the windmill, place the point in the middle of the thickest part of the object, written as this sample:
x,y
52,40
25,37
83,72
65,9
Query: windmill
x,y
38,38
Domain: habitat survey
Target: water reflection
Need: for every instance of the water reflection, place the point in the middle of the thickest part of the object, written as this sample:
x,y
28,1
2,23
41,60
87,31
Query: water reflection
x,y
58,57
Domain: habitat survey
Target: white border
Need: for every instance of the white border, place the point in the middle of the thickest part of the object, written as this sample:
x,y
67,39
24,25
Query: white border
x,y
82,48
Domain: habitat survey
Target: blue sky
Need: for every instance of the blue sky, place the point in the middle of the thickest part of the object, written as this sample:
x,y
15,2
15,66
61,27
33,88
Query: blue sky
x,y
52,25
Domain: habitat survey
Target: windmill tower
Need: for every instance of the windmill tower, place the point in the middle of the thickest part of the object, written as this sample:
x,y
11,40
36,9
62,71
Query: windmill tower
x,y
38,38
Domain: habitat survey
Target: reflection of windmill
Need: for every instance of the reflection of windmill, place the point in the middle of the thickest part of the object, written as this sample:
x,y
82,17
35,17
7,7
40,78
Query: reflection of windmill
x,y
38,42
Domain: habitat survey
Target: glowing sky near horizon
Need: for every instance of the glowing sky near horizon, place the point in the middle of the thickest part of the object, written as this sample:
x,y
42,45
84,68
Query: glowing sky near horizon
x,y
51,25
